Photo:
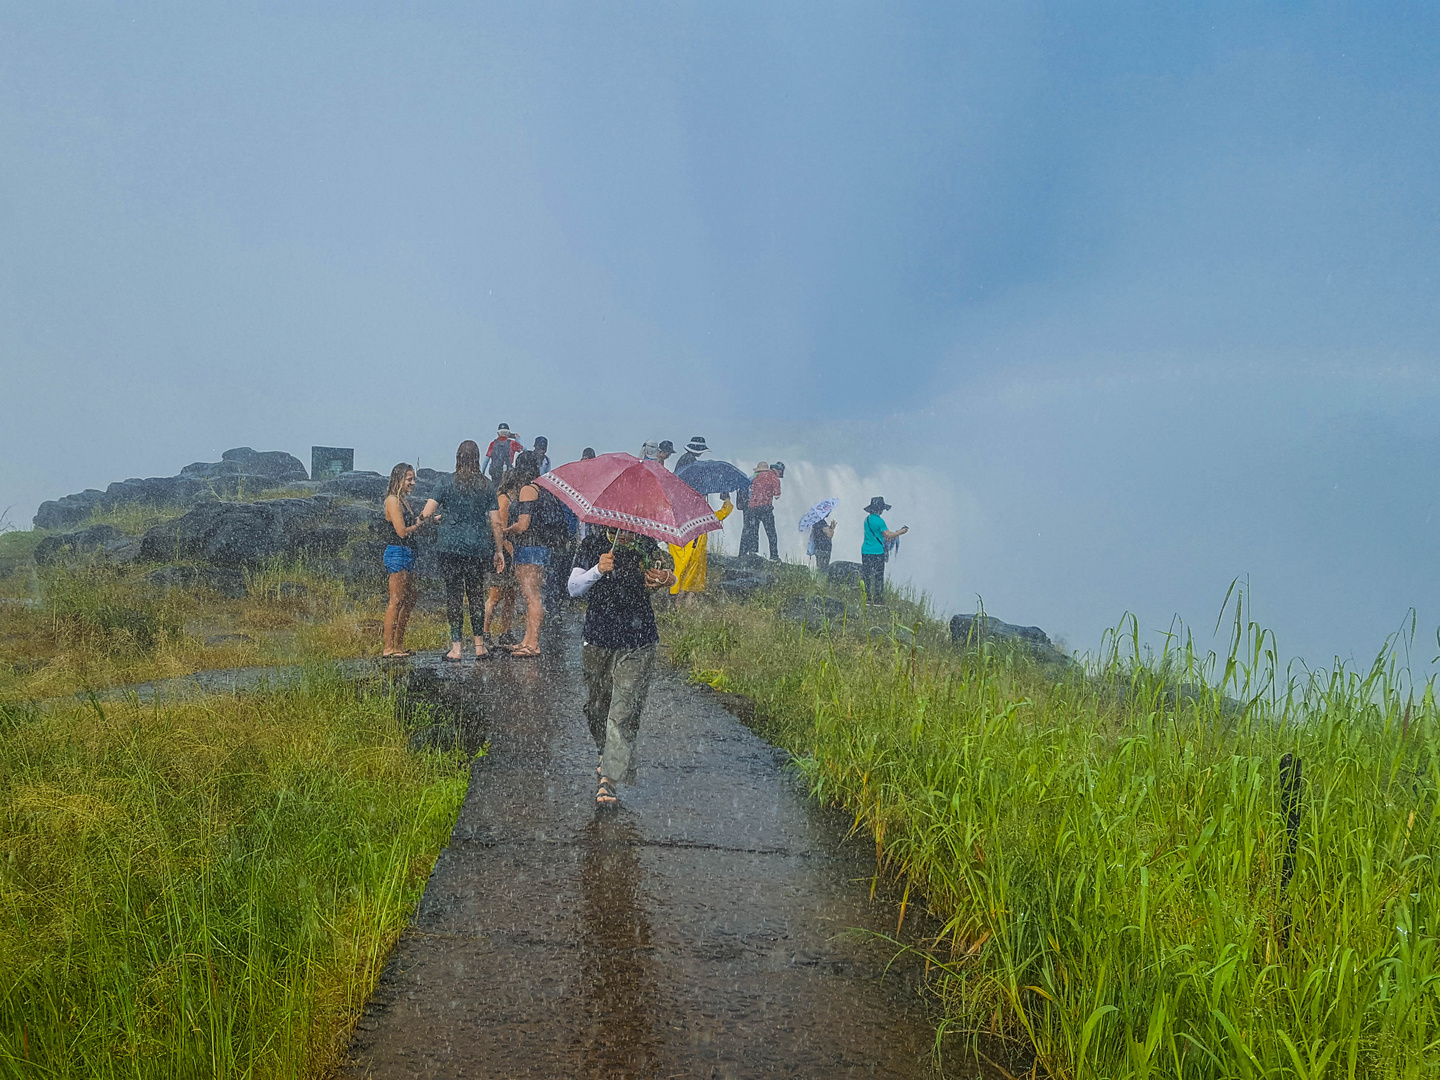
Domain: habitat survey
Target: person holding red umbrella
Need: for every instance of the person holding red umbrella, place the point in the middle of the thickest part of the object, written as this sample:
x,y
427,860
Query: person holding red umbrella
x,y
616,571
628,505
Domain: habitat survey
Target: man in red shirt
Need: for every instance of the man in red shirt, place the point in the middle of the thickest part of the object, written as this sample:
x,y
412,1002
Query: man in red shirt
x,y
501,453
764,490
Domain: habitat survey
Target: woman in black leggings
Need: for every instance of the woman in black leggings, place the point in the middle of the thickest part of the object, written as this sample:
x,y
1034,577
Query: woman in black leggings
x,y
468,543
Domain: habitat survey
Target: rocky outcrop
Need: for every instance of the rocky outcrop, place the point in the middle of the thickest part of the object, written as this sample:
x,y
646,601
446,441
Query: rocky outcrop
x,y
274,467
55,548
250,534
971,629
738,575
360,484
241,470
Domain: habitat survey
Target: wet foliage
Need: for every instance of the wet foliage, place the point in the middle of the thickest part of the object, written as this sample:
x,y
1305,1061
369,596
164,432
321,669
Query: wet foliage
x,y
207,888
1135,874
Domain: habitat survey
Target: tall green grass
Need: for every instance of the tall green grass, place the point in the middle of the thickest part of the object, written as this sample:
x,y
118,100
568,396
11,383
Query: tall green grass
x,y
1105,851
206,888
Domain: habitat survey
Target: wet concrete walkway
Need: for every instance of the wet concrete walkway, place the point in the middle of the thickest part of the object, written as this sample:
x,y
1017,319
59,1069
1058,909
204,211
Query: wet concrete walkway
x,y
703,930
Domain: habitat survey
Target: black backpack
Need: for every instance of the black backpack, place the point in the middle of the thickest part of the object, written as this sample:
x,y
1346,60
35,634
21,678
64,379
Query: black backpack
x,y
549,521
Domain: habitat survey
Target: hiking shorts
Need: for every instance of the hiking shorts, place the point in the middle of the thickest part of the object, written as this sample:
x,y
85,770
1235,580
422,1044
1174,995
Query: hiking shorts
x,y
399,558
532,555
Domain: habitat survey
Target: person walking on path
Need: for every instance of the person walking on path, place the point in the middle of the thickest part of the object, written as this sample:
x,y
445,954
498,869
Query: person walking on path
x,y
400,558
469,540
872,549
822,543
532,554
500,455
693,449
542,453
616,571
692,560
764,490
500,604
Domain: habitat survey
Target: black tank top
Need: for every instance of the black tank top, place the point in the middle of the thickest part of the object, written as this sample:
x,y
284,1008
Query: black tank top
x,y
408,516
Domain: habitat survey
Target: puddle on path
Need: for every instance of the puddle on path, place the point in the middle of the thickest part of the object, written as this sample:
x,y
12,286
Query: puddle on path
x,y
703,930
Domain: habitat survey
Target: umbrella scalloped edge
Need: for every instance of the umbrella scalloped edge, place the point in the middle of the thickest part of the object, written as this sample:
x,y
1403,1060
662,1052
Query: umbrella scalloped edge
x,y
679,535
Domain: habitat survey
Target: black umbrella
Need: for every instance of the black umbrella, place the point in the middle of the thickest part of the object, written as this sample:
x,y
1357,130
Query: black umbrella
x,y
713,477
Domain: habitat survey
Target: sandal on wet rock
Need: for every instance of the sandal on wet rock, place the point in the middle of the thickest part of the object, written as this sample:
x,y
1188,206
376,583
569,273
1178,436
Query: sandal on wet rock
x,y
606,795
520,650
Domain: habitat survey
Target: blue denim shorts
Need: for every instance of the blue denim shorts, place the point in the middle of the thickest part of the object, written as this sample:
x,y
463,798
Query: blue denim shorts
x,y
533,555
398,558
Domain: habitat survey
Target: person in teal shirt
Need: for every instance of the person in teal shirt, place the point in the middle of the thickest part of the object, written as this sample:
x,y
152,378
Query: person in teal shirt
x,y
872,549
468,543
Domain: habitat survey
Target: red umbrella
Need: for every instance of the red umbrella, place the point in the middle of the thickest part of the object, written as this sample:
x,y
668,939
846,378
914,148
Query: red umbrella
x,y
619,491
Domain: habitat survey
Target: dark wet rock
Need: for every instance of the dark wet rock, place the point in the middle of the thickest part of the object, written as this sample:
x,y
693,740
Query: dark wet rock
x,y
68,510
325,540
155,491
272,467
821,613
844,573
230,534
240,471
973,628
353,517
226,581
124,550
54,548
441,703
360,484
739,576
247,534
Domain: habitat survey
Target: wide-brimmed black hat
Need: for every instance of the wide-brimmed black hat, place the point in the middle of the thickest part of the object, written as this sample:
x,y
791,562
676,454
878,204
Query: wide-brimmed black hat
x,y
778,468
877,506
666,446
697,445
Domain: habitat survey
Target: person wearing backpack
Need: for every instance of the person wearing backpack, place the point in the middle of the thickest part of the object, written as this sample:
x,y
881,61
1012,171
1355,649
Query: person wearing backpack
x,y
500,453
532,553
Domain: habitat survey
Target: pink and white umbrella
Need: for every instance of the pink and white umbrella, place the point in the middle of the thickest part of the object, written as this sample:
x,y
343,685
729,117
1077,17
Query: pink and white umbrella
x,y
619,491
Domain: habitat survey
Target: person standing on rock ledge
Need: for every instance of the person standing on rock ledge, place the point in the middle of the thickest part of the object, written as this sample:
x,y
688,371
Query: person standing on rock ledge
x,y
760,510
470,537
617,570
872,550
400,558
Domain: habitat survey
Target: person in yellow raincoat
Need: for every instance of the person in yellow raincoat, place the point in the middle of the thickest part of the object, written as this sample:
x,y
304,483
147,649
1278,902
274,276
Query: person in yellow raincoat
x,y
691,561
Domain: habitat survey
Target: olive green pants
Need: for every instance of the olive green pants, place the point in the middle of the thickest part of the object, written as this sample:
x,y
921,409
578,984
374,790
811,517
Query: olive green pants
x,y
616,683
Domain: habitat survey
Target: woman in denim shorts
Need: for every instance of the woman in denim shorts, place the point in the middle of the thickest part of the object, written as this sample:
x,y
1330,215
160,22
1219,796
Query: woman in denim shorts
x,y
400,558
530,558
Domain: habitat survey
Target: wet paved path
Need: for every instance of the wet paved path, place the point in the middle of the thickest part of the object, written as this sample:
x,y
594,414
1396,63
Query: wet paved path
x,y
703,930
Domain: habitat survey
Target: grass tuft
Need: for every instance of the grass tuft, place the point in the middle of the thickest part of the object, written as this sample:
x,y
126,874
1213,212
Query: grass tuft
x,y
1107,848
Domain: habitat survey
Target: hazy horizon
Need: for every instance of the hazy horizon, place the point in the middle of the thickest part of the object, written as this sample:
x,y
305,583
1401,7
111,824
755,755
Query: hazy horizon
x,y
1116,306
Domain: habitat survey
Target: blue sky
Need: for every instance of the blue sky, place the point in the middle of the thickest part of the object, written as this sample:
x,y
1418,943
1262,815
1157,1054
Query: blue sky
x,y
1144,293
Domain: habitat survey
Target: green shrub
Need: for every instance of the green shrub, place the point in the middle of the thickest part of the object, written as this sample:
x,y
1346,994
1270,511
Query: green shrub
x,y
208,888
